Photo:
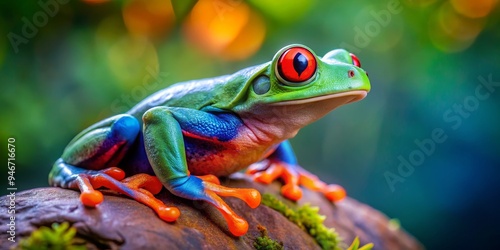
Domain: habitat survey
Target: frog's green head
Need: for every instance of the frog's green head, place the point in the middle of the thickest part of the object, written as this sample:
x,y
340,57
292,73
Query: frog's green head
x,y
298,79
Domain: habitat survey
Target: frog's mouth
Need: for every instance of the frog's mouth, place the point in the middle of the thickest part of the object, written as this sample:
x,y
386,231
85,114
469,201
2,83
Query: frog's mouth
x,y
284,119
335,100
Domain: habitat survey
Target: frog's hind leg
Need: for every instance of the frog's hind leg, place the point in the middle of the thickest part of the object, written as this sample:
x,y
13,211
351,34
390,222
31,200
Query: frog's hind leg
x,y
88,163
100,146
103,144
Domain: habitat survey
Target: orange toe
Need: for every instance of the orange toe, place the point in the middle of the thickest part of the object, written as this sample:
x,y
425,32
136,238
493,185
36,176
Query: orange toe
x,y
335,192
115,173
270,174
252,198
210,178
168,214
237,226
264,178
292,192
91,198
154,187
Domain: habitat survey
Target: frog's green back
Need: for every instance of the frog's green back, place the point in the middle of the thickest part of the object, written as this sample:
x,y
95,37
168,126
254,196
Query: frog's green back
x,y
222,92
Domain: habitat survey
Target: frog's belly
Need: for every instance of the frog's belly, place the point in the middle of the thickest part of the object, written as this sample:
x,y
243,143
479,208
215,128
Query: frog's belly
x,y
203,157
221,158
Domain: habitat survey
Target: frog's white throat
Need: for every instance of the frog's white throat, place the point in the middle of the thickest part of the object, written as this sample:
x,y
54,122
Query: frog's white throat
x,y
282,120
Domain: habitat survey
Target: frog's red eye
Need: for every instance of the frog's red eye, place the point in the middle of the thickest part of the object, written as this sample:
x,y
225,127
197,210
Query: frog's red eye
x,y
355,60
296,66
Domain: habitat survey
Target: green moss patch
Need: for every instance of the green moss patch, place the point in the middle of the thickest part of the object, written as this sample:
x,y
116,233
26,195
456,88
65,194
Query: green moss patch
x,y
58,237
309,220
263,242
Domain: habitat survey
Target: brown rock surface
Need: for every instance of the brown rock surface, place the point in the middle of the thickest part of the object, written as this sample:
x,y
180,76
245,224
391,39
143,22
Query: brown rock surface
x,y
120,222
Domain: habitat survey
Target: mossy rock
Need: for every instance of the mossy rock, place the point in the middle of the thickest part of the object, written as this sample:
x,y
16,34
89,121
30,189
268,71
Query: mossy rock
x,y
122,223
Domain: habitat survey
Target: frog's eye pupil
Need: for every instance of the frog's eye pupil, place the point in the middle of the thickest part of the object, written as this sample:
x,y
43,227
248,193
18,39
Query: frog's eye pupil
x,y
299,63
296,66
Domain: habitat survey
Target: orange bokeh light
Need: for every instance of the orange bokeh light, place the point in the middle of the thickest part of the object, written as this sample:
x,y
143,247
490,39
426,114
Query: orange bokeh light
x,y
247,42
229,29
458,26
452,32
150,18
474,9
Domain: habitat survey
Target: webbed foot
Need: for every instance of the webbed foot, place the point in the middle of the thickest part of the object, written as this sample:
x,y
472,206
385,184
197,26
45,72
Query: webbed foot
x,y
140,187
293,177
207,189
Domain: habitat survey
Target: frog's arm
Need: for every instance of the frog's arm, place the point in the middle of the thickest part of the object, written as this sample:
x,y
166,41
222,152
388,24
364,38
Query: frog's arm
x,y
282,163
164,143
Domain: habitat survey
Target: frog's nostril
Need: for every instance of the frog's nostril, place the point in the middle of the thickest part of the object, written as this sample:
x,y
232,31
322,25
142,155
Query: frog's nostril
x,y
350,73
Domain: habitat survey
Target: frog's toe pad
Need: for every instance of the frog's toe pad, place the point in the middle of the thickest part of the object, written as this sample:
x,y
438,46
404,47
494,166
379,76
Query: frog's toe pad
x,y
291,192
168,214
237,226
334,192
253,198
91,198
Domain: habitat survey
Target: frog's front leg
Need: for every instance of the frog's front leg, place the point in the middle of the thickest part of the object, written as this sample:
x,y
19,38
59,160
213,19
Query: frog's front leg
x,y
87,164
283,164
164,144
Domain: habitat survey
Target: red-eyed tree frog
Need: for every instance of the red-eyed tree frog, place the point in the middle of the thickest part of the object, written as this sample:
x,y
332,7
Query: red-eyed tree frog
x,y
187,135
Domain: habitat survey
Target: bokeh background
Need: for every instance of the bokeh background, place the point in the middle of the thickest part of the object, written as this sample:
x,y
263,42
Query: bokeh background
x,y
67,64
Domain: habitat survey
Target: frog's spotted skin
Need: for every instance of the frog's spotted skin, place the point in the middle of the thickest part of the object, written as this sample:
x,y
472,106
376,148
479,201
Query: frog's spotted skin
x,y
186,135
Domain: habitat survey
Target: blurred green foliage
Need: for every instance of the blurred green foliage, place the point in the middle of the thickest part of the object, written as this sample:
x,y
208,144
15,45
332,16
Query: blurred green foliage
x,y
91,59
57,237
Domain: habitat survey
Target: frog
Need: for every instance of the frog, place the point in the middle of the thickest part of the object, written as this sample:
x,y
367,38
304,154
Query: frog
x,y
189,134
